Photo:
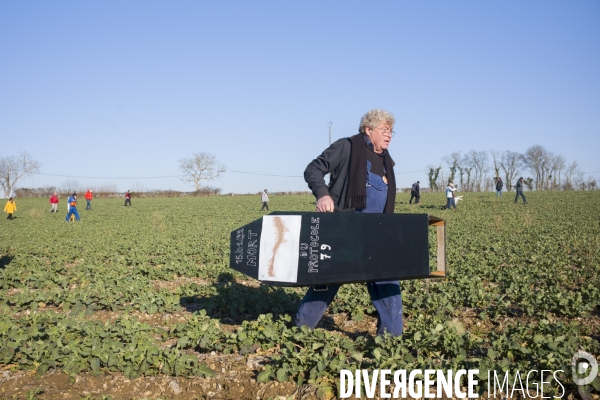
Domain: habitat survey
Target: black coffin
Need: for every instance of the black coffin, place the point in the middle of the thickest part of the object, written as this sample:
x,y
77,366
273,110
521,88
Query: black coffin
x,y
311,248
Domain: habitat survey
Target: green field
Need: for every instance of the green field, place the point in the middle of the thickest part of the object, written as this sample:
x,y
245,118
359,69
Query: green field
x,y
96,296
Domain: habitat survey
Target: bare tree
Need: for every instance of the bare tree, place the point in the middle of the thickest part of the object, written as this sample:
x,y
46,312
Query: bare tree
x,y
106,189
13,168
496,157
201,166
511,163
138,187
465,186
579,180
478,161
591,183
529,183
71,186
558,163
547,168
434,172
453,162
536,158
571,170
441,183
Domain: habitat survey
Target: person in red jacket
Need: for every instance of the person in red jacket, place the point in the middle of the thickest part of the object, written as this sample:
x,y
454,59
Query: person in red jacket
x,y
128,198
54,203
88,197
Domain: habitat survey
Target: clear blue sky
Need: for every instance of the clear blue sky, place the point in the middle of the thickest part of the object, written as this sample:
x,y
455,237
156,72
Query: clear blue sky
x,y
124,89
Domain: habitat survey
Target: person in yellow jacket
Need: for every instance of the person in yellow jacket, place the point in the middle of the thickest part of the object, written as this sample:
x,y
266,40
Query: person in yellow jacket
x,y
10,208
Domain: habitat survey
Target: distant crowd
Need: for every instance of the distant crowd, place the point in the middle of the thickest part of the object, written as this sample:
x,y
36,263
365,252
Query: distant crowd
x,y
72,213
415,194
452,199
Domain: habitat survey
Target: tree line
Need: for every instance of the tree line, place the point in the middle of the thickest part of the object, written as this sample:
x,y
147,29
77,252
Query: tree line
x,y
474,171
196,169
478,171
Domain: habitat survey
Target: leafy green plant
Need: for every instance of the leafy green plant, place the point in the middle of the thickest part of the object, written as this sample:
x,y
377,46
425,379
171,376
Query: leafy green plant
x,y
522,292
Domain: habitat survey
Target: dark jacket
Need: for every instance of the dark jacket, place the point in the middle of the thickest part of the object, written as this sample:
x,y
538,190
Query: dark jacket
x,y
519,186
499,184
335,160
415,188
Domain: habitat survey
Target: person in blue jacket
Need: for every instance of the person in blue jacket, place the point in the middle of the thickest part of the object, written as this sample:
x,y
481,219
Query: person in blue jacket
x,y
72,202
450,189
361,180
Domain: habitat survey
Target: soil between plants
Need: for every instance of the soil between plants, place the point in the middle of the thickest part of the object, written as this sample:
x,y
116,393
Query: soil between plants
x,y
235,376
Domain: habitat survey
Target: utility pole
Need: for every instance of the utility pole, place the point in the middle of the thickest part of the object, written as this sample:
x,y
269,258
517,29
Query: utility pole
x,y
329,124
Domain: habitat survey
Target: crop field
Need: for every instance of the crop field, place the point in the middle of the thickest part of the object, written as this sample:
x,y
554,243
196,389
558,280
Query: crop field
x,y
140,302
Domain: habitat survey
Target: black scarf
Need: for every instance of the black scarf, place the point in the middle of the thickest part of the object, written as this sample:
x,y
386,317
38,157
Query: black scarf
x,y
357,187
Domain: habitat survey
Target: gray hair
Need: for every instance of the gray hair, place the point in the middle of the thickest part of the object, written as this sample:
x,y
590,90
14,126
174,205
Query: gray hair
x,y
374,118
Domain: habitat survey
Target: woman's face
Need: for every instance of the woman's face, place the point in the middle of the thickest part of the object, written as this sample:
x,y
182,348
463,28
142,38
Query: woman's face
x,y
381,136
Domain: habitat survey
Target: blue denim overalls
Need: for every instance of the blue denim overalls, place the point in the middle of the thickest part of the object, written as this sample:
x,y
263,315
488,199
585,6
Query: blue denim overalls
x,y
385,295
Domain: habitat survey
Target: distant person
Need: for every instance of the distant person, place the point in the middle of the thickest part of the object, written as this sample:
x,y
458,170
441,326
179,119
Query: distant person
x,y
450,189
128,198
10,208
415,193
88,197
362,180
499,186
519,188
264,197
54,203
72,202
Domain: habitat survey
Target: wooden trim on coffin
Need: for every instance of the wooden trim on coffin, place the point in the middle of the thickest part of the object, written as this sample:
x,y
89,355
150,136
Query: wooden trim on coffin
x,y
440,226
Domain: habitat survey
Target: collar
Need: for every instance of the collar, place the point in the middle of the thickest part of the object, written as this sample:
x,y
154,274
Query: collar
x,y
371,147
